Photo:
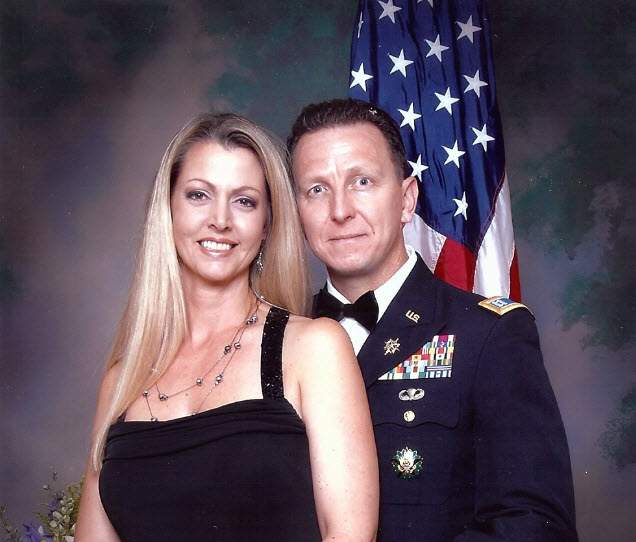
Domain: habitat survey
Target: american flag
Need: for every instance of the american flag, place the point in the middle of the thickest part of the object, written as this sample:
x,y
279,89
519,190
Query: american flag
x,y
429,64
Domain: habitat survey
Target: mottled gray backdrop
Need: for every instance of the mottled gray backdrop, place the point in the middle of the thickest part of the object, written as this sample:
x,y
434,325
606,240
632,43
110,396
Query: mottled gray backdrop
x,y
93,90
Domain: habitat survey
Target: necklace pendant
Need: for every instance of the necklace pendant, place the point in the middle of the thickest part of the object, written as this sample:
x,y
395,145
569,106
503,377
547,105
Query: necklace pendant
x,y
199,381
163,397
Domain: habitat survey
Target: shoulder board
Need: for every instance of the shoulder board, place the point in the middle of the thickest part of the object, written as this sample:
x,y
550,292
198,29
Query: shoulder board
x,y
501,305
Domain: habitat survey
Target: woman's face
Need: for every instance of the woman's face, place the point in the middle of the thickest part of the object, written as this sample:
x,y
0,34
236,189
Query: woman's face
x,y
219,213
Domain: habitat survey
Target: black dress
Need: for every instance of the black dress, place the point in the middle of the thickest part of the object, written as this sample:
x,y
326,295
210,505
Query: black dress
x,y
239,472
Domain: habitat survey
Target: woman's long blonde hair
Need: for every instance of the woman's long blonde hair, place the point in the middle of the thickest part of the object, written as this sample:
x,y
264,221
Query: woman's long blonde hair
x,y
154,324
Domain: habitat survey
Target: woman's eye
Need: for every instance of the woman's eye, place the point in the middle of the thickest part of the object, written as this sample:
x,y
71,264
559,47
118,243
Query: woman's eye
x,y
196,195
246,202
363,181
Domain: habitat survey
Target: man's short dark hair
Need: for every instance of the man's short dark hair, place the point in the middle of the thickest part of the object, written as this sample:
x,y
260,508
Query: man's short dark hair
x,y
342,112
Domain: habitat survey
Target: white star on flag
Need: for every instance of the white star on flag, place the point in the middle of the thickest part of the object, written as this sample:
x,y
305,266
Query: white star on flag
x,y
436,48
445,101
388,10
360,78
418,167
409,117
467,29
462,206
400,63
474,83
482,137
453,154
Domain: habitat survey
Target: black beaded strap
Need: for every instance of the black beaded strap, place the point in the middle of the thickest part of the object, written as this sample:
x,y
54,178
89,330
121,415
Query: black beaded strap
x,y
272,353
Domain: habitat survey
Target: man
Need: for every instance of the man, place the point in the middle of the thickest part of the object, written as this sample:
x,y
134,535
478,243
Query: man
x,y
470,442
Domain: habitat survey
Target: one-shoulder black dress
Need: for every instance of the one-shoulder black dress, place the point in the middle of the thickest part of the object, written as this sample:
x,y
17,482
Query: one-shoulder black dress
x,y
239,472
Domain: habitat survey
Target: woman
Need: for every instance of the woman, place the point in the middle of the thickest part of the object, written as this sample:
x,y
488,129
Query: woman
x,y
222,417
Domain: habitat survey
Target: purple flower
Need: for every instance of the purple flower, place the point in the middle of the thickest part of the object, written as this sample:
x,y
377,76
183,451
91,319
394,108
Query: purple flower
x,y
33,534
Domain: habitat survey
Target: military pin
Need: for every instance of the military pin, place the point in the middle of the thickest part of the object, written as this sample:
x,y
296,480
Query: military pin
x,y
407,463
413,316
391,346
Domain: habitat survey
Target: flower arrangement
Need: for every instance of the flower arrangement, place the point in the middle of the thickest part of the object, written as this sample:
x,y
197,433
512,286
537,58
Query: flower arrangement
x,y
55,521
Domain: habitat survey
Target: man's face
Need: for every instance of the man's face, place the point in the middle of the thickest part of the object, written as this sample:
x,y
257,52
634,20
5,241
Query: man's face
x,y
352,201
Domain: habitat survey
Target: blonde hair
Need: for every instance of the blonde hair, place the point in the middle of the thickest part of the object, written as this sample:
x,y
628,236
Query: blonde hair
x,y
153,324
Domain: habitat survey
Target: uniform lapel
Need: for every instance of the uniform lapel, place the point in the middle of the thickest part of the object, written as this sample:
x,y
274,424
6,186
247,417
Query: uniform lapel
x,y
417,297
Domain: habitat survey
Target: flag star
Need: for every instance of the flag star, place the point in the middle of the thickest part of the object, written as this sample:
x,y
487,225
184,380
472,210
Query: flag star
x,y
462,206
445,101
436,48
482,137
360,78
474,83
360,23
453,154
418,167
388,10
409,117
400,63
467,29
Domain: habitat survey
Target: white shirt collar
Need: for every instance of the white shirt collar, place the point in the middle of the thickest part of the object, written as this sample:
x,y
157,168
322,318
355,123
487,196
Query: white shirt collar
x,y
385,293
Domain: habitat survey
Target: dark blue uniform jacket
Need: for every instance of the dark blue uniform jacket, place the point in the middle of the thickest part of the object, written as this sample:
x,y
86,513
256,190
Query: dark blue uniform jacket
x,y
495,462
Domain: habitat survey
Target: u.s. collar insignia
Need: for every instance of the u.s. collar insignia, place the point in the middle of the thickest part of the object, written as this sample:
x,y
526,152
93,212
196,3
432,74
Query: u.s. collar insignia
x,y
412,315
407,463
391,346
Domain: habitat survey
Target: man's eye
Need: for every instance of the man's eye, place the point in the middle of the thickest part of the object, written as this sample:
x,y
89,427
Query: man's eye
x,y
196,195
315,190
363,181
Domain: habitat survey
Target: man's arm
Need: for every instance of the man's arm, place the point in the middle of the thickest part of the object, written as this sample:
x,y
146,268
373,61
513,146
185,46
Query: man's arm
x,y
523,480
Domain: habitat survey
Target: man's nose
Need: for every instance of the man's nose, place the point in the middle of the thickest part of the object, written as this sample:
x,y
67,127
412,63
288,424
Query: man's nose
x,y
342,208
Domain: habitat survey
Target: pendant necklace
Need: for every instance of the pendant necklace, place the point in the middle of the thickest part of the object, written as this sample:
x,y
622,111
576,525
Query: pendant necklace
x,y
228,353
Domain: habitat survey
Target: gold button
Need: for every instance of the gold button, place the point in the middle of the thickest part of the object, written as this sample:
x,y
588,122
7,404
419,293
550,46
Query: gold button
x,y
409,416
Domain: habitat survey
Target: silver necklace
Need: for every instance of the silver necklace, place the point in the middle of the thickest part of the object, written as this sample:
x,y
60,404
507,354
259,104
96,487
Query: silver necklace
x,y
227,353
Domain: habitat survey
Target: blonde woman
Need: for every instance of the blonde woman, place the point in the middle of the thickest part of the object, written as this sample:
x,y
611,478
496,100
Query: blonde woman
x,y
221,416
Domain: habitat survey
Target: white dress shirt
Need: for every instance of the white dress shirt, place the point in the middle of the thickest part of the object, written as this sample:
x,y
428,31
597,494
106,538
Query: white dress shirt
x,y
384,294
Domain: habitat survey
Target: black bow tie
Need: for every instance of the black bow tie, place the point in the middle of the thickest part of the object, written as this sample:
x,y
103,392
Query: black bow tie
x,y
364,310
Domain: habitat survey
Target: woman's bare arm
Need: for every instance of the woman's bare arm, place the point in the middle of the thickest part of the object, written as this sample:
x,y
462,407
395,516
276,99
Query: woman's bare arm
x,y
92,522
336,414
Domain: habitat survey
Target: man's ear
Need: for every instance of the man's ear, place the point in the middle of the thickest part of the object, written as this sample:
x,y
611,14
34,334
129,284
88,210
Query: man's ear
x,y
410,191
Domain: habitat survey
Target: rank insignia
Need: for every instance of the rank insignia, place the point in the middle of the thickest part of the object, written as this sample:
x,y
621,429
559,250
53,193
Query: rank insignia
x,y
407,463
391,346
500,305
433,360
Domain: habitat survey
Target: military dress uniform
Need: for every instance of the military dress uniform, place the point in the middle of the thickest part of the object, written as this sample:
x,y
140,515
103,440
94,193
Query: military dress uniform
x,y
470,441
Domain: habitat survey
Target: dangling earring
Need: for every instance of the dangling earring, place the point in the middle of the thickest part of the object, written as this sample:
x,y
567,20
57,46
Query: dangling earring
x,y
259,261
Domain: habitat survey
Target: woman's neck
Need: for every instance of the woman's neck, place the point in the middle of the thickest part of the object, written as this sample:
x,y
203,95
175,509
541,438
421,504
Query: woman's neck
x,y
210,308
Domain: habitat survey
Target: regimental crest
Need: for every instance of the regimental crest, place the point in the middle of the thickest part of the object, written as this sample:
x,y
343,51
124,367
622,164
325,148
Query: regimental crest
x,y
501,305
407,463
391,346
433,360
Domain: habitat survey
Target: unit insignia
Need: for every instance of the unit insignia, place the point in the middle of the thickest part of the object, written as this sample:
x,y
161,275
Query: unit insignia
x,y
501,305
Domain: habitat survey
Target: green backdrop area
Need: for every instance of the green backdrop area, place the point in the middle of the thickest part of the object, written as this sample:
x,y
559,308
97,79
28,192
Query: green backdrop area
x,y
91,93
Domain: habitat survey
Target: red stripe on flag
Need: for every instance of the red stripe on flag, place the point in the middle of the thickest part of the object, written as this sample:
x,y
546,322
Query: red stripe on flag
x,y
456,265
515,282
